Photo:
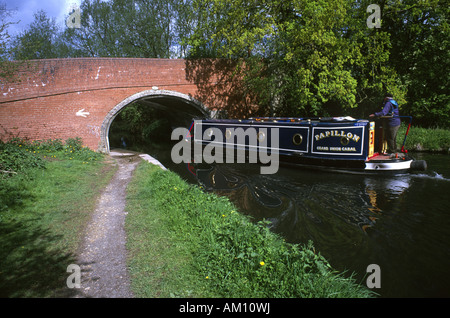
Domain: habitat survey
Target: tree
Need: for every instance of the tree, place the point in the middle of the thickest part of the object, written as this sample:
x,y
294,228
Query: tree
x,y
304,58
121,28
7,68
39,41
420,53
292,58
320,57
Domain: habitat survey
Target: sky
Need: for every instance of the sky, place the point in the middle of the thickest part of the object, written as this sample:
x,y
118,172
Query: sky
x,y
23,11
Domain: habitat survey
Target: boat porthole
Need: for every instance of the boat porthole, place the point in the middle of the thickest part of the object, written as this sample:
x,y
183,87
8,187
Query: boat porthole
x,y
261,136
228,134
297,139
345,141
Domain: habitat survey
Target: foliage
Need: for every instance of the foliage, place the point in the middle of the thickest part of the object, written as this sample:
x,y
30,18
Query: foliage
x,y
106,31
139,123
38,41
299,58
15,157
304,56
7,68
71,149
420,53
320,58
425,139
19,159
122,28
223,253
15,164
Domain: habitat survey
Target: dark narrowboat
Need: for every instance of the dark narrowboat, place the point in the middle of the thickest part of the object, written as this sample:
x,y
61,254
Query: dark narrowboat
x,y
336,143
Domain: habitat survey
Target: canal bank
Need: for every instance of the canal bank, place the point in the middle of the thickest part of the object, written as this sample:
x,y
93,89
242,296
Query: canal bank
x,y
398,234
182,242
426,140
205,247
399,222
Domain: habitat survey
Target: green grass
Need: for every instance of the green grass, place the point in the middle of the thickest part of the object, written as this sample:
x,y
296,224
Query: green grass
x,y
183,242
425,139
46,198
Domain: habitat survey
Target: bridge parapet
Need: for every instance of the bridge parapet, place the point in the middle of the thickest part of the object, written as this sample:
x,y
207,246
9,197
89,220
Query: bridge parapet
x,y
40,78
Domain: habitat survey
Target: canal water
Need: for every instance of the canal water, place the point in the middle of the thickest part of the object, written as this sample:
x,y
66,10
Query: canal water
x,y
401,223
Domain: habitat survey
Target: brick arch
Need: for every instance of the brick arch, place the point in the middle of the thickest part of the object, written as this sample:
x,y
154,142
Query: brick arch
x,y
78,97
148,95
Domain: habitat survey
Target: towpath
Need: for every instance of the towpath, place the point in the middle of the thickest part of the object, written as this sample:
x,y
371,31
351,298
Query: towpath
x,y
103,258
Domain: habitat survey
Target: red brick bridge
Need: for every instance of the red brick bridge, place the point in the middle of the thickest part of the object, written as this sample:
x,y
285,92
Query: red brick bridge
x,y
80,97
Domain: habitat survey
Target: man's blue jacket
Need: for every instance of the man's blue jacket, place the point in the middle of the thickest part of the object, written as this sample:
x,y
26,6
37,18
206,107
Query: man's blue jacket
x,y
390,108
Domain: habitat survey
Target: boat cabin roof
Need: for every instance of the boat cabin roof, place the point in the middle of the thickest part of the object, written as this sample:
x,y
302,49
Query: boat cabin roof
x,y
304,120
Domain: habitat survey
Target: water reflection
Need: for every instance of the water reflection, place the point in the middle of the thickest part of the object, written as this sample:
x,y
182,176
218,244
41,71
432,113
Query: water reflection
x,y
382,192
292,196
353,220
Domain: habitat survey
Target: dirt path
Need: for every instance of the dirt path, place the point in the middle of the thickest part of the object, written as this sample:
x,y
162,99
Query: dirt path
x,y
103,258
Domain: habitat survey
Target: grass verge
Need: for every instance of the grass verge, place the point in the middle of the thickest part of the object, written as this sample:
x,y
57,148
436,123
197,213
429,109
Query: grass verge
x,y
425,139
183,242
47,194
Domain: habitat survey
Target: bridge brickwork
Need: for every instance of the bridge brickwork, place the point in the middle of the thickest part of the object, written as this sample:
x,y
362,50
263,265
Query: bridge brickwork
x,y
67,98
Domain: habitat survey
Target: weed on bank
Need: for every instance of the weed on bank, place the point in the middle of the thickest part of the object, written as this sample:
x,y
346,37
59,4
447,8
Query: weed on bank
x,y
425,139
184,242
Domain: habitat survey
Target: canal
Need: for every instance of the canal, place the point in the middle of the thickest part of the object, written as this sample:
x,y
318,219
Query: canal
x,y
401,223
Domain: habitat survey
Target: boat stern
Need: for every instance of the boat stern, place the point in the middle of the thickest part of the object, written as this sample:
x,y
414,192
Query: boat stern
x,y
399,162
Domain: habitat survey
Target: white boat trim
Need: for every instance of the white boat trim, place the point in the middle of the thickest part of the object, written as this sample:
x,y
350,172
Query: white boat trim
x,y
389,166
